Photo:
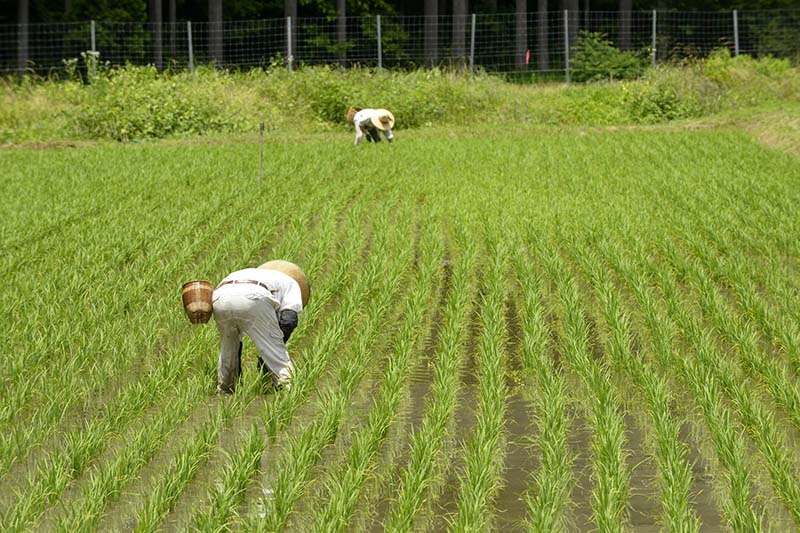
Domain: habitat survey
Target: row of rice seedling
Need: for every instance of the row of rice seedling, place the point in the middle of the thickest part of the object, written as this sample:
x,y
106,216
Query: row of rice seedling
x,y
756,418
240,468
98,259
106,481
739,276
612,475
671,453
104,270
80,447
483,454
277,415
738,508
344,484
547,500
774,374
303,451
714,210
133,409
192,454
416,482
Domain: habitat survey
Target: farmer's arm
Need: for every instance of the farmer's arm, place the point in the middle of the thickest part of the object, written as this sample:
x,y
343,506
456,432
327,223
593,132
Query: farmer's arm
x,y
291,306
389,135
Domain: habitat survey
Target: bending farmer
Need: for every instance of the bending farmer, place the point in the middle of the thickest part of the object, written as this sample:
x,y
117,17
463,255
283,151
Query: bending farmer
x,y
371,122
262,303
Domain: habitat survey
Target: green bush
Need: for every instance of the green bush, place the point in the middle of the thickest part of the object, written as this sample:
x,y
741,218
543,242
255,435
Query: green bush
x,y
139,102
595,58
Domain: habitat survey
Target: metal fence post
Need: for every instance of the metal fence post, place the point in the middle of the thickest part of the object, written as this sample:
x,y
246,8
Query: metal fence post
x,y
191,52
654,37
289,57
93,56
566,44
472,45
92,34
380,51
736,33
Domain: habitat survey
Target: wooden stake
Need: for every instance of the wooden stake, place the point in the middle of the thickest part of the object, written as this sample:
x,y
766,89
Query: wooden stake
x,y
261,155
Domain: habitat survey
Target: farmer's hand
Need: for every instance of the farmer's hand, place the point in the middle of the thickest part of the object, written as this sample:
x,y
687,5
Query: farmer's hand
x,y
287,320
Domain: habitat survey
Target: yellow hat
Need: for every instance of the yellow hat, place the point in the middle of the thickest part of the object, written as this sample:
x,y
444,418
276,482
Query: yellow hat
x,y
294,272
382,119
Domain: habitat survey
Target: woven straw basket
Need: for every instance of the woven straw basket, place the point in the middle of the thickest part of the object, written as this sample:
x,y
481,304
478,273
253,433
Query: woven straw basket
x,y
197,296
294,272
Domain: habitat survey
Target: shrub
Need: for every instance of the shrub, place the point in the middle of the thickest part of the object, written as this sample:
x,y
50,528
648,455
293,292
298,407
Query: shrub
x,y
139,102
595,58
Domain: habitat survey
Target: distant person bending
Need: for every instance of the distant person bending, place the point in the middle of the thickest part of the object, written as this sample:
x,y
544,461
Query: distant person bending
x,y
371,122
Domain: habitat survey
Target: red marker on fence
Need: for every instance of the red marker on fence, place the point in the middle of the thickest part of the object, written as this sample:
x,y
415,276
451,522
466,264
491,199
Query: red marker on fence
x,y
527,56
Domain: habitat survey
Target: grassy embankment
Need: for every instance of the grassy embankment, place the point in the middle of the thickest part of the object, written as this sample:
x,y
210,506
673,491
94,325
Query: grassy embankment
x,y
139,103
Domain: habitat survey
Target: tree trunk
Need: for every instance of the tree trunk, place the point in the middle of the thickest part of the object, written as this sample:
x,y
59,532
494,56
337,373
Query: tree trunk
x,y
156,27
341,29
459,29
172,28
431,32
290,10
625,7
586,15
23,10
521,34
215,31
541,35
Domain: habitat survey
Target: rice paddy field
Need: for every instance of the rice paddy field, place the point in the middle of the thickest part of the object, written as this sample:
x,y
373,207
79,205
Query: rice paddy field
x,y
549,331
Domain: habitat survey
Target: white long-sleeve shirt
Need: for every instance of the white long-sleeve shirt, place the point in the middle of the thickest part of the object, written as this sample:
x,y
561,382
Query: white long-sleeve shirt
x,y
363,120
284,291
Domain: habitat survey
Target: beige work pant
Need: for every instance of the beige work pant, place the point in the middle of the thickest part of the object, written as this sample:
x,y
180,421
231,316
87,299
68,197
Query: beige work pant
x,y
241,309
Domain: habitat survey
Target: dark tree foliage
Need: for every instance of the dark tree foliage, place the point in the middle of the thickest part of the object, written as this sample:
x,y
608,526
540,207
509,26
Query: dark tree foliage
x,y
136,10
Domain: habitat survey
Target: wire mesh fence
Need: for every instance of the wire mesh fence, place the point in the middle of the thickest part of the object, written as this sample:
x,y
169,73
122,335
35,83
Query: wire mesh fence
x,y
535,42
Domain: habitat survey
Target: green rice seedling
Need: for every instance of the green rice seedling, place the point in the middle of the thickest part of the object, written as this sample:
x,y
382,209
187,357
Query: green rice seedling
x,y
759,422
675,471
65,391
278,414
81,446
344,484
126,408
164,495
548,498
304,451
299,380
417,478
106,484
610,495
740,331
739,510
230,491
484,453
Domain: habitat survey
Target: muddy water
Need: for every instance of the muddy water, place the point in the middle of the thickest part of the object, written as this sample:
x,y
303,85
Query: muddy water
x,y
579,517
645,508
520,464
